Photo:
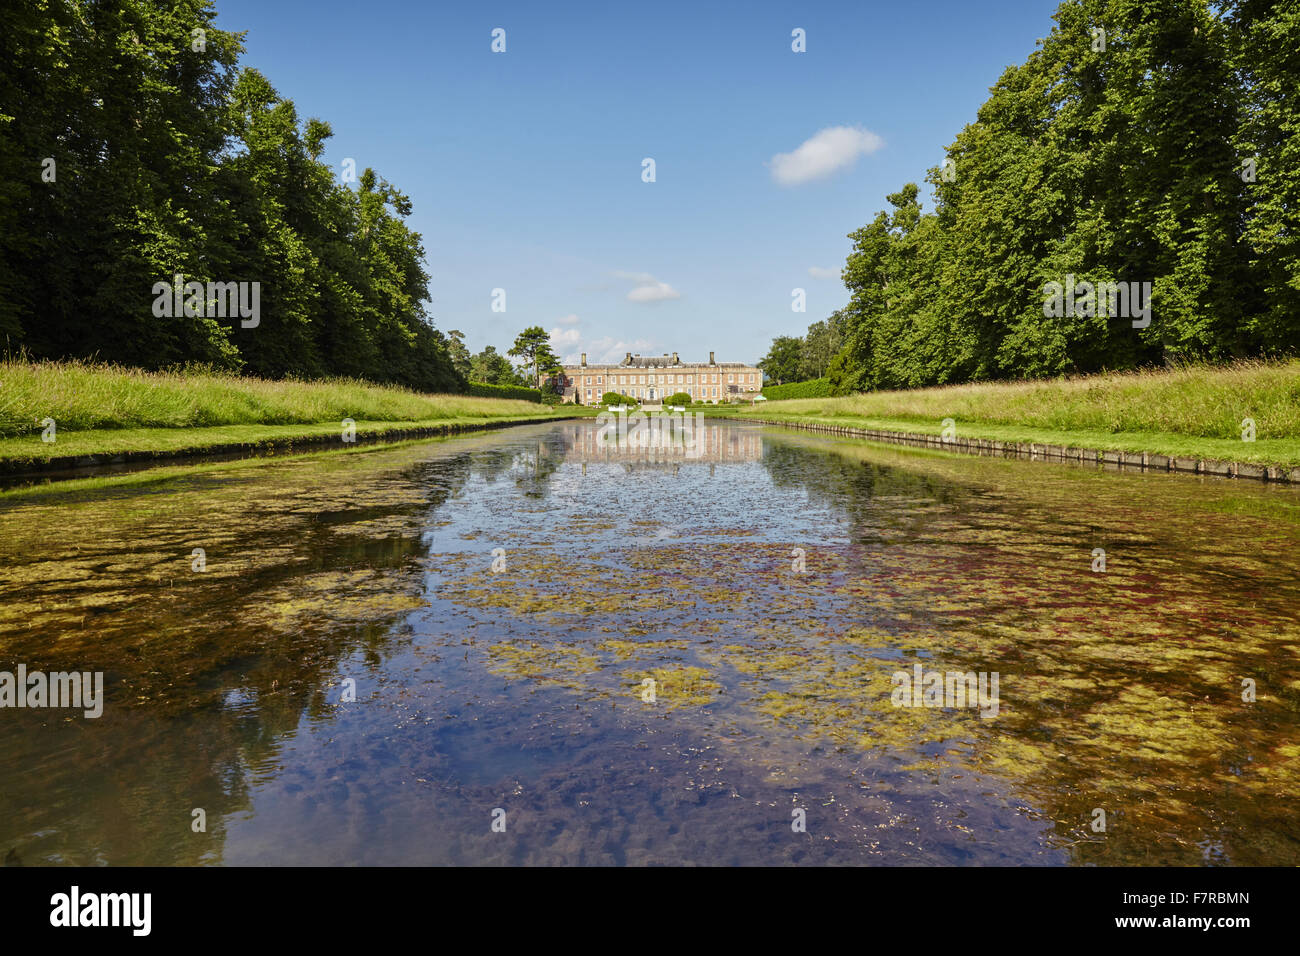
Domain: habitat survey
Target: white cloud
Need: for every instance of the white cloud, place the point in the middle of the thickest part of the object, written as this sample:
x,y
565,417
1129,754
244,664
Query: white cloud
x,y
817,272
570,319
561,338
608,351
655,292
648,288
827,152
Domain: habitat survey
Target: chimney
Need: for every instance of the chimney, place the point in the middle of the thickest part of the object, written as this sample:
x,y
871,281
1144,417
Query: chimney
x,y
711,362
627,359
675,362
584,359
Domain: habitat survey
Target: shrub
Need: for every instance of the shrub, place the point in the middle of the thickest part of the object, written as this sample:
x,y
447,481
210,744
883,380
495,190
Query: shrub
x,y
520,392
614,398
678,398
814,388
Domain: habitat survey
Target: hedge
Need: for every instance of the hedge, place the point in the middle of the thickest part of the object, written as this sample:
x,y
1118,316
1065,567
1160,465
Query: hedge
x,y
520,392
814,388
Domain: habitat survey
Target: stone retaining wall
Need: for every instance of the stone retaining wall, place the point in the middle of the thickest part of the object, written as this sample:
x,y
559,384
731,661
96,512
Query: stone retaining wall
x,y
1119,460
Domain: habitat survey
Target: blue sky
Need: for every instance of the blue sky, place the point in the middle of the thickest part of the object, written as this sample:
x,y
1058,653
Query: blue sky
x,y
525,167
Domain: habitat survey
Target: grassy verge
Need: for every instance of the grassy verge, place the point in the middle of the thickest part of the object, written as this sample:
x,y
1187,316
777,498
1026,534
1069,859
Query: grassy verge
x,y
102,410
1192,412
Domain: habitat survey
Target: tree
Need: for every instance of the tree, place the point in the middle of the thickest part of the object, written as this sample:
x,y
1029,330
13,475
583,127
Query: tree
x,y
1267,58
140,151
458,353
493,368
533,346
110,133
820,344
782,360
1114,163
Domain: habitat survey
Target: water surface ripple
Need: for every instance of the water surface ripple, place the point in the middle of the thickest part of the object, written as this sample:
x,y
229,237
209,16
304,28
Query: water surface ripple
x,y
770,588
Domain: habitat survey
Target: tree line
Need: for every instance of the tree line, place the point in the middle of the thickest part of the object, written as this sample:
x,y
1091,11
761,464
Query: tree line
x,y
1149,144
800,358
139,155
538,363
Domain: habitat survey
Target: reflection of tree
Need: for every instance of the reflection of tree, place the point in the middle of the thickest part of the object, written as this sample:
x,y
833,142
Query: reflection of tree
x,y
489,464
308,563
534,468
840,481
531,467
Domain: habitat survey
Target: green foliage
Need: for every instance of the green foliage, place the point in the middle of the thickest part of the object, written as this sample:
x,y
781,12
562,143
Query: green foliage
x,y
518,392
552,394
533,346
495,369
782,360
800,358
1122,164
170,160
615,398
814,388
459,354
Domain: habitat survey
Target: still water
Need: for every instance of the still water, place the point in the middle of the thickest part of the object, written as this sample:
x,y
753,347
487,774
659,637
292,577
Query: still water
x,y
499,606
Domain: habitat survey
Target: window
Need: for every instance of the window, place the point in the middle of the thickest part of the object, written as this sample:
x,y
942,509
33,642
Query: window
x,y
730,378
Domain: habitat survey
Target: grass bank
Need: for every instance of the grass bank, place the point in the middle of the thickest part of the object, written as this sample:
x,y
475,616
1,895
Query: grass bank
x,y
1195,412
106,411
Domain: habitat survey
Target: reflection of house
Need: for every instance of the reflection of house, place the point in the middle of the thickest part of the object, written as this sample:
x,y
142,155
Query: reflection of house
x,y
714,443
653,378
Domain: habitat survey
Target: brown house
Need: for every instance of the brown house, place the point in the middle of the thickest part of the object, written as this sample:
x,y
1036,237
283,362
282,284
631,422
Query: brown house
x,y
653,378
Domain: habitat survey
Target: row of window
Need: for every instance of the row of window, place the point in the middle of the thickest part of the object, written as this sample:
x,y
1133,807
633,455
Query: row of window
x,y
595,394
714,378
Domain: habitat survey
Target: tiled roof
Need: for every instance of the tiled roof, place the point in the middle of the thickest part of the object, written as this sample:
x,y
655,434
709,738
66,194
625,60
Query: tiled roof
x,y
658,361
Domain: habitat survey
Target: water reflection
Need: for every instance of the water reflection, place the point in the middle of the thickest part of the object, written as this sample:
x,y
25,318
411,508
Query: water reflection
x,y
499,603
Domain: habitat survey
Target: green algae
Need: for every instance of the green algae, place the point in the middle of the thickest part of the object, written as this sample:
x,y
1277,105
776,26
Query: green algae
x,y
1120,689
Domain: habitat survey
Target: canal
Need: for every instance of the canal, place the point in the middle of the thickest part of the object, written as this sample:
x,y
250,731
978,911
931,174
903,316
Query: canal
x,y
529,647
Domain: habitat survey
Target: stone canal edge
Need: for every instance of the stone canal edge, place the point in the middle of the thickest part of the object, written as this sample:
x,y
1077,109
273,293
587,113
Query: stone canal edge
x,y
1119,460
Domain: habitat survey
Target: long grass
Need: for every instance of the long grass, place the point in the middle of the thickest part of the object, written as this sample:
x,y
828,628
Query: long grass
x,y
1195,401
83,396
